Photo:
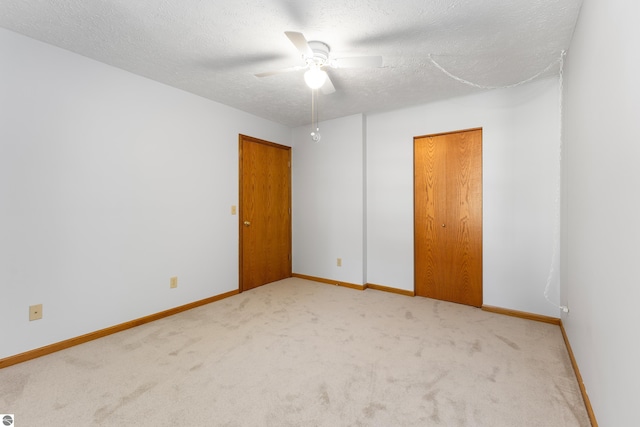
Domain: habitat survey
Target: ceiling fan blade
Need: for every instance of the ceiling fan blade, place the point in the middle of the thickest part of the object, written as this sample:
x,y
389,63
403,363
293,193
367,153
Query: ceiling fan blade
x,y
328,88
393,35
281,71
234,62
297,12
300,42
358,62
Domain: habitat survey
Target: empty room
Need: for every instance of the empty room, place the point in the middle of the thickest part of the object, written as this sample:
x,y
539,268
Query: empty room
x,y
338,213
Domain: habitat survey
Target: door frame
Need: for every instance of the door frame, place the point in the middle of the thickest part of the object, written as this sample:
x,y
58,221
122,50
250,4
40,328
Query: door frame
x,y
241,228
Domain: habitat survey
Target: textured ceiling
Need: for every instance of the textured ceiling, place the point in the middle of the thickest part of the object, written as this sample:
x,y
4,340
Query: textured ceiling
x,y
213,48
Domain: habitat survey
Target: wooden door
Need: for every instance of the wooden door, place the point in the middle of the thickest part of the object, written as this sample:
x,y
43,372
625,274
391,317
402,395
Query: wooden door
x,y
448,216
265,212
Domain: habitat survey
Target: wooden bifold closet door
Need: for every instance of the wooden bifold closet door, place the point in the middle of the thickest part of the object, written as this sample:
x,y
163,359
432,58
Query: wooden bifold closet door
x,y
448,216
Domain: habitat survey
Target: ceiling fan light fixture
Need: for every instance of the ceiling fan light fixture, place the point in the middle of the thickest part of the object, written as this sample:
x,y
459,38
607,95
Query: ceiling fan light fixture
x,y
315,77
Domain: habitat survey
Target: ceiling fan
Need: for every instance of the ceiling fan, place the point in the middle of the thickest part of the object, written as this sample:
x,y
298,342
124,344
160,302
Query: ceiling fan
x,y
316,56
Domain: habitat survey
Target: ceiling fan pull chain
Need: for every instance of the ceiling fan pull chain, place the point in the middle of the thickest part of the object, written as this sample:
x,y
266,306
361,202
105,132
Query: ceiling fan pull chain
x,y
315,129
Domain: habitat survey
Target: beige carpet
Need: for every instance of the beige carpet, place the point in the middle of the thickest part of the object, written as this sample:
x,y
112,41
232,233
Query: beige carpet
x,y
299,353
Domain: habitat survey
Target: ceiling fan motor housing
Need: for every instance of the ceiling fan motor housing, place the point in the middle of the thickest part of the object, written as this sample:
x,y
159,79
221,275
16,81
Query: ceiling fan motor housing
x,y
320,53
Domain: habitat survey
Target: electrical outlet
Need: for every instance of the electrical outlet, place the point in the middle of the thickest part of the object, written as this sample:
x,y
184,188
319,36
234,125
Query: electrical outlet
x,y
35,312
339,263
173,282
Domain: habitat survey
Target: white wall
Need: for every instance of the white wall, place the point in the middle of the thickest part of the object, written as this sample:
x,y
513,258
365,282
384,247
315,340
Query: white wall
x,y
601,206
109,185
328,201
520,188
520,185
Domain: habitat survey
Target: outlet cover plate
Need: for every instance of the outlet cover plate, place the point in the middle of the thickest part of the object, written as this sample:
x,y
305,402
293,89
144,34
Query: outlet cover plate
x,y
35,312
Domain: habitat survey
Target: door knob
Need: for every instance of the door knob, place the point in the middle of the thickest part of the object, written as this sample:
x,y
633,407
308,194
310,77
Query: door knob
x,y
443,225
247,223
